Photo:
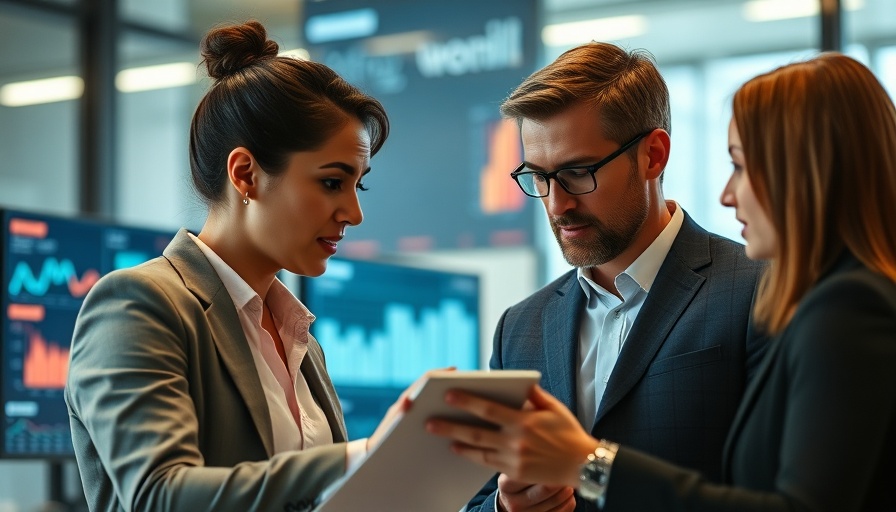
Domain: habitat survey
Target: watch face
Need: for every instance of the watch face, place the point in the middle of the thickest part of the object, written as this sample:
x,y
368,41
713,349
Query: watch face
x,y
592,481
595,473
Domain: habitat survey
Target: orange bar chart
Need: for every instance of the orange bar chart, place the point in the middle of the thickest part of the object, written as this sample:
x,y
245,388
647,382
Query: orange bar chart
x,y
45,365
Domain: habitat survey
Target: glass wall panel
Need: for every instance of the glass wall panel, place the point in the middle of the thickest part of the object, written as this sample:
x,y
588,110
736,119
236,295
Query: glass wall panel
x,y
886,68
158,86
871,25
168,15
160,83
39,91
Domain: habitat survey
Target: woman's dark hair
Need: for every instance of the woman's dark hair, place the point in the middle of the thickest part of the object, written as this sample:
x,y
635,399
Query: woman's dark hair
x,y
271,105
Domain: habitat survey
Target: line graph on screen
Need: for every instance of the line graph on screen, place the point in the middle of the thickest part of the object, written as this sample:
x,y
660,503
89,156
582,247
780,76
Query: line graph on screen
x,y
53,272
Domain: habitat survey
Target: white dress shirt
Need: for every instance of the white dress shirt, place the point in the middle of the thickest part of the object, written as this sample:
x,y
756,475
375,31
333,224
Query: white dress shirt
x,y
608,319
298,421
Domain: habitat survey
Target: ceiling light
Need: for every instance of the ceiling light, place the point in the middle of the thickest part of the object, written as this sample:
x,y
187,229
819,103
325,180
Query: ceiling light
x,y
600,29
46,90
156,77
771,10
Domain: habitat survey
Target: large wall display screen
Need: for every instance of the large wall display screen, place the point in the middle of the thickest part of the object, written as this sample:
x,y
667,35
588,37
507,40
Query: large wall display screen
x,y
48,266
441,70
382,326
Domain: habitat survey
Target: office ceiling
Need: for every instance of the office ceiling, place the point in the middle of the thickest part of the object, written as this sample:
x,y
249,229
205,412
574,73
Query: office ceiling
x,y
679,30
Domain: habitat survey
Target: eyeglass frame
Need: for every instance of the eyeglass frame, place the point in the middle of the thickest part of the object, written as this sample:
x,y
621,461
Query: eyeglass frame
x,y
590,169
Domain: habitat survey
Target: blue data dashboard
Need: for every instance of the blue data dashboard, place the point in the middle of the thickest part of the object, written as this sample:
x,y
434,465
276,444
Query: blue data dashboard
x,y
382,326
48,265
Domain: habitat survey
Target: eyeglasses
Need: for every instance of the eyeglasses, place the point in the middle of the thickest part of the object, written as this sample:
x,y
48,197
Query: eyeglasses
x,y
574,180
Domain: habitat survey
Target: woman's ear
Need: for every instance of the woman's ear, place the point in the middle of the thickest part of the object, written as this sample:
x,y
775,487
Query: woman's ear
x,y
242,171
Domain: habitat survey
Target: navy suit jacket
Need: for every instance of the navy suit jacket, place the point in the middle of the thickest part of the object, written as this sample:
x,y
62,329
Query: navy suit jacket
x,y
683,367
816,429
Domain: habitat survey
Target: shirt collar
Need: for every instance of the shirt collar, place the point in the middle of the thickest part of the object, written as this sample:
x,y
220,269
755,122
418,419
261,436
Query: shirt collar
x,y
283,304
642,272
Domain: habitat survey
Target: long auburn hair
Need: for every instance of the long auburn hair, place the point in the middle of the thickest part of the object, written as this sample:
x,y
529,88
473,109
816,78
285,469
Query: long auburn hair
x,y
819,140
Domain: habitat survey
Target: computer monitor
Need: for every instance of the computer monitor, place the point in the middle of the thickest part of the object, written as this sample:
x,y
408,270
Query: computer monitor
x,y
381,326
49,264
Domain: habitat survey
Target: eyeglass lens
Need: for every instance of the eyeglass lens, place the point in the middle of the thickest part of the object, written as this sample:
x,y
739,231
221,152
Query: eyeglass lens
x,y
575,181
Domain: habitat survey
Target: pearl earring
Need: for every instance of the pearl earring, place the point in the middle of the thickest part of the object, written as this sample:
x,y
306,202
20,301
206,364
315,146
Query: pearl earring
x,y
246,199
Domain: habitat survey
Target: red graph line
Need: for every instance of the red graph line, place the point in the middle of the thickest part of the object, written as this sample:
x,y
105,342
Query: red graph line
x,y
79,287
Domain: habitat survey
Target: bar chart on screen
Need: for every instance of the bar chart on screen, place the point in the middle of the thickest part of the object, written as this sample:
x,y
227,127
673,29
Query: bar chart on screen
x,y
45,365
402,341
383,325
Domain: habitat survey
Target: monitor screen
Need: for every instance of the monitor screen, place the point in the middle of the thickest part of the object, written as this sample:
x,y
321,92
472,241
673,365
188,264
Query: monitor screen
x,y
48,266
382,325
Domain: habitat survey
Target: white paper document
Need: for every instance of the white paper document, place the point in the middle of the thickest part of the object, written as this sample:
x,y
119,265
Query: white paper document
x,y
414,471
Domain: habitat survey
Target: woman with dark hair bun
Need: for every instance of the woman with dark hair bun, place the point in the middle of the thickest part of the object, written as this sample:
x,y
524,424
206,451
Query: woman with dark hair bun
x,y
194,383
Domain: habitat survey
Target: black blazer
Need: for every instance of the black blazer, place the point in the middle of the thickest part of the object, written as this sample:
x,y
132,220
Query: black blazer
x,y
683,367
817,427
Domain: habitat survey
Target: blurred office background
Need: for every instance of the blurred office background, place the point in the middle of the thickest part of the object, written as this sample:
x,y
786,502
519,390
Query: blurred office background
x,y
96,98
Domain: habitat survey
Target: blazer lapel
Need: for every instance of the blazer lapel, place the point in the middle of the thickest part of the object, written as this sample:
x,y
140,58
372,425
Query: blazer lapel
x,y
227,331
746,404
673,290
560,333
844,263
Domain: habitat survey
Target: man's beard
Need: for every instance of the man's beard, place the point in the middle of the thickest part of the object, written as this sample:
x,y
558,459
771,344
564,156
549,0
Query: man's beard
x,y
609,239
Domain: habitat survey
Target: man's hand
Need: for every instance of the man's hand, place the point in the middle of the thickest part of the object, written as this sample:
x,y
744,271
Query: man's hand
x,y
515,496
543,443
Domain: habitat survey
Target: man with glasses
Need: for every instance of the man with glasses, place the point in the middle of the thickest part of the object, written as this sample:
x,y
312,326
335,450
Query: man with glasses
x,y
648,340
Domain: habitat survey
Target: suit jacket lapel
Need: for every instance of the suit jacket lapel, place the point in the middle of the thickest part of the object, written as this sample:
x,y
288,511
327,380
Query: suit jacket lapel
x,y
201,279
673,289
560,333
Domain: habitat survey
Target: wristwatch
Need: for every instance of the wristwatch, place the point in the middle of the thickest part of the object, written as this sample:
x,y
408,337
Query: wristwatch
x,y
595,472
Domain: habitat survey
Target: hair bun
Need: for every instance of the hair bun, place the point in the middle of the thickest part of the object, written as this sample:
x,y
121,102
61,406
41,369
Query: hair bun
x,y
228,49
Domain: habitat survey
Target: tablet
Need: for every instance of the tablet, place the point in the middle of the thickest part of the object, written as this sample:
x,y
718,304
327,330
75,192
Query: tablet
x,y
412,469
509,387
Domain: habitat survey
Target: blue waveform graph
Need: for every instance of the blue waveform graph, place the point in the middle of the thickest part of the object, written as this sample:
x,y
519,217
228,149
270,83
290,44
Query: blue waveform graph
x,y
53,272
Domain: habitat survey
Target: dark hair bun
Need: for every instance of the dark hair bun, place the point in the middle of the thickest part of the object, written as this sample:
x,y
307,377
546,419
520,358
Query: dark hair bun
x,y
228,49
